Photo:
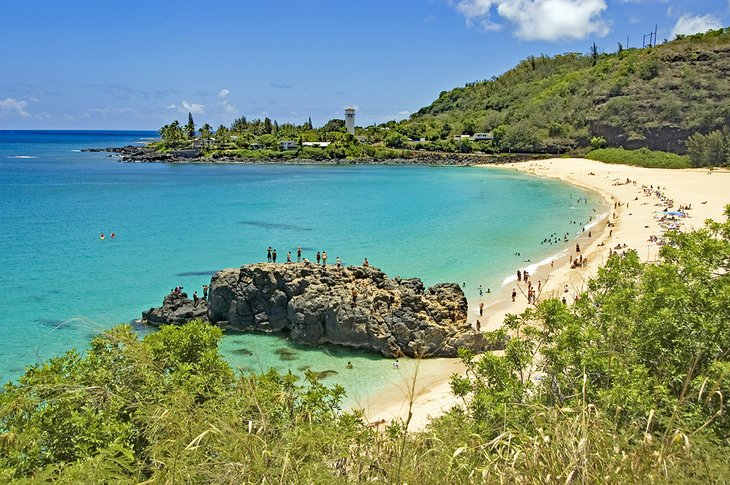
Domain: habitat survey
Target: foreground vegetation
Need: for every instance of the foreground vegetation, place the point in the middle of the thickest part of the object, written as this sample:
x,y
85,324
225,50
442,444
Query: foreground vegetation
x,y
628,385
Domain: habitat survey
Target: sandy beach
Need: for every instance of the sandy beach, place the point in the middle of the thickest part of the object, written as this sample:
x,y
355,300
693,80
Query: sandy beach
x,y
635,198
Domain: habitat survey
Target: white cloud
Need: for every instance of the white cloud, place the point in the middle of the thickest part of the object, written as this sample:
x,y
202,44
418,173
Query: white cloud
x,y
223,93
11,105
689,24
549,20
193,108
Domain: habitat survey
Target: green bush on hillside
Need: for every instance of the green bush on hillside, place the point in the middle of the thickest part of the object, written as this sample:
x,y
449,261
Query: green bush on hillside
x,y
643,157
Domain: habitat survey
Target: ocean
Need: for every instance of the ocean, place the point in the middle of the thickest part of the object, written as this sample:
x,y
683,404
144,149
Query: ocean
x,y
176,224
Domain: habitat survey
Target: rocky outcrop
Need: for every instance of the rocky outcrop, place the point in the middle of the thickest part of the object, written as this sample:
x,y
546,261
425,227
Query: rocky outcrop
x,y
353,306
176,309
148,154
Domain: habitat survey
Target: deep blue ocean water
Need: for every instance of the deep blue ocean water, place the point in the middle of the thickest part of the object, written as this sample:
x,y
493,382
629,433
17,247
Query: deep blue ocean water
x,y
176,224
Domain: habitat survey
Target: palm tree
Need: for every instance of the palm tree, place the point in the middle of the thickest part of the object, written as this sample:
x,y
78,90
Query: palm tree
x,y
205,132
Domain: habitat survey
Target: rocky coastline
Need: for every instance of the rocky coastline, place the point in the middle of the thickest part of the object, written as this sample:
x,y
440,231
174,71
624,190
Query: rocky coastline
x,y
353,306
147,154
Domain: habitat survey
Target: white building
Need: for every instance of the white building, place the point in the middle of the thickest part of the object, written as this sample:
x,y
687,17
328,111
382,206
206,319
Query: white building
x,y
288,145
350,120
318,144
482,137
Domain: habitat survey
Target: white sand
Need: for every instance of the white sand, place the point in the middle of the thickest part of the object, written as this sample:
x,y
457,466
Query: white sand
x,y
634,222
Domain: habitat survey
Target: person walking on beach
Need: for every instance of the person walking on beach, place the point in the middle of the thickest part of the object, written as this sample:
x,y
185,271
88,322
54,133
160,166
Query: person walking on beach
x,y
481,309
514,294
479,326
577,247
324,258
318,257
395,364
273,256
268,255
299,254
519,275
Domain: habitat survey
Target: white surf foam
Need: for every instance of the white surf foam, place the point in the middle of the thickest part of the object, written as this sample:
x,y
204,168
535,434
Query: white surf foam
x,y
22,156
534,266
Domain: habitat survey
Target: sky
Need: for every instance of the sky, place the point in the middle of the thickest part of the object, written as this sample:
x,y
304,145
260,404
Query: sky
x,y
139,64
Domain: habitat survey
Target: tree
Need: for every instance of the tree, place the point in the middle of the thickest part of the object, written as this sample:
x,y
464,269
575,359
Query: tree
x,y
222,136
190,127
334,125
594,54
395,140
172,135
205,132
268,128
598,142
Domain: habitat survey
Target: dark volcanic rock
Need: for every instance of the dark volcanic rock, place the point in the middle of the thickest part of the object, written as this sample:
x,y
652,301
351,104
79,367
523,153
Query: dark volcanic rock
x,y
133,153
176,308
352,306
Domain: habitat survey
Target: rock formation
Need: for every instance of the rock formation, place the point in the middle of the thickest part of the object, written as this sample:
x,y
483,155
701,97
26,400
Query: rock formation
x,y
176,309
353,306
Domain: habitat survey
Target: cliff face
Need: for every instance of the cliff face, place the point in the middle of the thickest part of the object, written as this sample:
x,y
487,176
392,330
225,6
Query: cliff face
x,y
353,306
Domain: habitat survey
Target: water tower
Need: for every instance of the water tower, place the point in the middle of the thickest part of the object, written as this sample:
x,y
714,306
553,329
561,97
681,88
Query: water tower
x,y
350,120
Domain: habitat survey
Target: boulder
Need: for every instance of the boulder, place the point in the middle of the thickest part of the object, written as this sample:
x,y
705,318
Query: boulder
x,y
176,309
352,306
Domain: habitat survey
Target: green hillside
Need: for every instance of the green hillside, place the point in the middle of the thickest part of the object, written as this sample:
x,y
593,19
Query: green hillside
x,y
654,97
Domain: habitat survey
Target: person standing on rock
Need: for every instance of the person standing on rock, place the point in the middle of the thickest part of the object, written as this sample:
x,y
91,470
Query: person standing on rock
x,y
299,254
288,256
273,256
324,258
195,298
268,255
205,292
479,326
365,263
338,262
354,296
318,257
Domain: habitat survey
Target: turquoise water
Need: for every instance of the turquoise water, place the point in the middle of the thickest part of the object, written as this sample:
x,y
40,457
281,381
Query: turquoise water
x,y
177,224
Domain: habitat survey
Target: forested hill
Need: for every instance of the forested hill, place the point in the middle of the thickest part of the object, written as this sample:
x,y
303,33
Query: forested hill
x,y
653,97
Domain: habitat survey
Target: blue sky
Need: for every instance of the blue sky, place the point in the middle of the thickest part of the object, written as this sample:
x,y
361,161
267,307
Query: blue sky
x,y
77,64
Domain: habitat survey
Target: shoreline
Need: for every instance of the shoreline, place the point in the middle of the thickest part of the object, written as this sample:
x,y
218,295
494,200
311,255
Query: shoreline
x,y
145,154
632,223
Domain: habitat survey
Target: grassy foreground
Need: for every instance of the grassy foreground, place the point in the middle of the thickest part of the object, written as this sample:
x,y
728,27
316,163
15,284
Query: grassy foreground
x,y
628,385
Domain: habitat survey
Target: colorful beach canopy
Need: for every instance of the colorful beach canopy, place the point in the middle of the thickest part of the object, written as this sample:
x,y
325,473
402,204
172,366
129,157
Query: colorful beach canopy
x,y
674,213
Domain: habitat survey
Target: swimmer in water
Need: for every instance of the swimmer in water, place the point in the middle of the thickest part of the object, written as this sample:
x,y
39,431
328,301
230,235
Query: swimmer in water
x,y
101,236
